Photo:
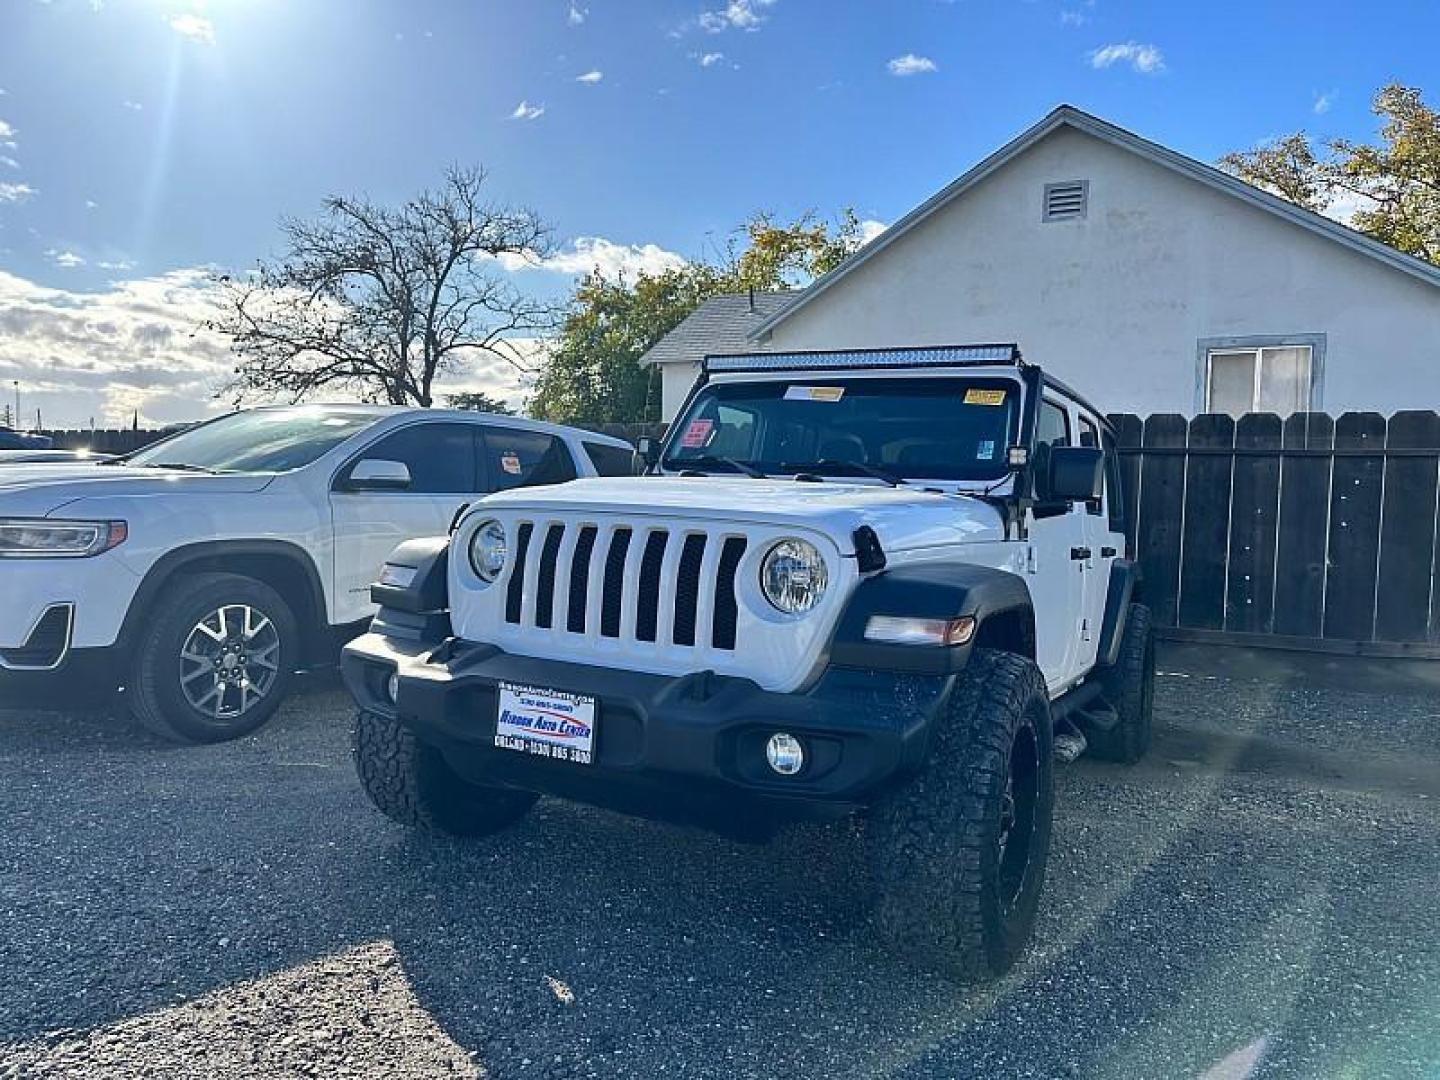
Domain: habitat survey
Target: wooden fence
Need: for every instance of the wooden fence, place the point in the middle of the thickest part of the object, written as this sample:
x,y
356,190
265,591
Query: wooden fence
x,y
1312,532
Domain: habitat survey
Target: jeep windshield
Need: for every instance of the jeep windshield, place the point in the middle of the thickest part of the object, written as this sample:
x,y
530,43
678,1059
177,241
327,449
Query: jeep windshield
x,y
932,428
263,440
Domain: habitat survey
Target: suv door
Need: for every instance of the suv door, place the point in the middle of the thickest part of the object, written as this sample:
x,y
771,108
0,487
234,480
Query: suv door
x,y
1056,562
445,472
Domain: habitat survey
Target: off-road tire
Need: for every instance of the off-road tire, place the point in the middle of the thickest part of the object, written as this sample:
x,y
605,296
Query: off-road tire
x,y
1129,688
411,783
155,696
945,899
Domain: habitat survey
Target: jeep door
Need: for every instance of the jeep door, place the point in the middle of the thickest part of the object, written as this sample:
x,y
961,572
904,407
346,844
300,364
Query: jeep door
x,y
1056,562
1104,540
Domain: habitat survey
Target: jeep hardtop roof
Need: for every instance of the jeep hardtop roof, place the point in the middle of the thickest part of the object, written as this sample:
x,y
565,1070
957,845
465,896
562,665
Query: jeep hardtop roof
x,y
891,359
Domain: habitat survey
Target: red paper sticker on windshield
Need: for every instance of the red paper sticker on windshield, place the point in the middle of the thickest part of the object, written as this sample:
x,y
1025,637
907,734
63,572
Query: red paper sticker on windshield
x,y
697,434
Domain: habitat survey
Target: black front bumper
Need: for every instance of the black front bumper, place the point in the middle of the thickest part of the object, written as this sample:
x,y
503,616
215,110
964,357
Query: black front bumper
x,y
686,748
85,678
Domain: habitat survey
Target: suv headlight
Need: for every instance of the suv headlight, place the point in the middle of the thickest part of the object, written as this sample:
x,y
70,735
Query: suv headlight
x,y
45,538
793,576
488,550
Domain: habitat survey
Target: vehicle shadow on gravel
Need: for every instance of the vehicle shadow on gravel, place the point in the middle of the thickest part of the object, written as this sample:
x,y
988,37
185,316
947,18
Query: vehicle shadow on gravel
x,y
1187,915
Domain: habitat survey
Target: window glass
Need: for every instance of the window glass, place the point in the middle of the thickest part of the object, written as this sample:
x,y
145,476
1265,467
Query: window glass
x,y
518,458
440,457
261,440
1114,486
1232,382
611,460
1090,436
916,428
1285,380
1053,427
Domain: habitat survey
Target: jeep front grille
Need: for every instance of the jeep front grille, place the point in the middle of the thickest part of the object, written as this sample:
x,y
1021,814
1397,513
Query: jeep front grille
x,y
657,585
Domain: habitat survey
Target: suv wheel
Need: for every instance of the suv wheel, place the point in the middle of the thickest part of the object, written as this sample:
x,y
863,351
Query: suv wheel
x,y
958,854
1129,689
412,783
216,660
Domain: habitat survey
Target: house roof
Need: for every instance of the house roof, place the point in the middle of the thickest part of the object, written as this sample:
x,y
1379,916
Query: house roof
x,y
1078,119
719,325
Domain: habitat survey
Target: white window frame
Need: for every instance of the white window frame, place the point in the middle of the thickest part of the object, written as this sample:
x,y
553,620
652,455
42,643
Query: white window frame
x,y
1257,344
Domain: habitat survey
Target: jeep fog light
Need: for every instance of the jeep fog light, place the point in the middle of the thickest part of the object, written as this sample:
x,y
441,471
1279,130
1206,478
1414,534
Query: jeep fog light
x,y
392,687
793,576
785,754
899,630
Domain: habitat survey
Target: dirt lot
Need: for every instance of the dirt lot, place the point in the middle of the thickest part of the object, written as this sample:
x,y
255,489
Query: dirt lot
x,y
1258,899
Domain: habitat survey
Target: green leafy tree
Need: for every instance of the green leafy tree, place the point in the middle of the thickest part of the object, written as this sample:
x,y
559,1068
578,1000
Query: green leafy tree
x,y
1396,184
592,373
478,401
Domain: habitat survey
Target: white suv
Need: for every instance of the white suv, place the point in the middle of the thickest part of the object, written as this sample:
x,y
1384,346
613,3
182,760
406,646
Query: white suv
x,y
202,571
884,583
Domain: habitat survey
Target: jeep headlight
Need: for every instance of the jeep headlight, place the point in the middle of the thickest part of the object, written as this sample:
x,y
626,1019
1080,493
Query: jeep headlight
x,y
488,550
46,538
793,576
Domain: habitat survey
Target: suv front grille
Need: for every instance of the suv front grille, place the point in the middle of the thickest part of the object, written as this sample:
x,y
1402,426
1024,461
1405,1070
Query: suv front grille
x,y
655,585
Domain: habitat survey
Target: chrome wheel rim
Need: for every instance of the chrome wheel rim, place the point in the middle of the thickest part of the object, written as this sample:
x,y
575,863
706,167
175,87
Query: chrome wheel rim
x,y
230,661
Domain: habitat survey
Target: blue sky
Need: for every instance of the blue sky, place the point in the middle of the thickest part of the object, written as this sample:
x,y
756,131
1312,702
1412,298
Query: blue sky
x,y
144,140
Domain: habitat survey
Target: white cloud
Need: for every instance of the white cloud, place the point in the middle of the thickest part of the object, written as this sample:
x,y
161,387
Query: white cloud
x,y
590,77
91,204
590,253
16,192
133,106
576,15
1073,17
1324,101
7,135
709,59
910,64
195,27
9,162
737,14
1345,203
870,229
1146,59
526,111
67,259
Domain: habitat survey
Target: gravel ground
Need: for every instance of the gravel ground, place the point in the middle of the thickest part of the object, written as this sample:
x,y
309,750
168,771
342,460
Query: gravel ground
x,y
1257,899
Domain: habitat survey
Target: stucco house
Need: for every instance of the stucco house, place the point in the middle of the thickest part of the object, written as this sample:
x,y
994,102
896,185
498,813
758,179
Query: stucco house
x,y
1146,279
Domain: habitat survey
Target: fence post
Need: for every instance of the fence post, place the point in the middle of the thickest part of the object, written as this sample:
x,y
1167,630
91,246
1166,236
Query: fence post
x,y
1254,510
1207,523
1354,528
1162,508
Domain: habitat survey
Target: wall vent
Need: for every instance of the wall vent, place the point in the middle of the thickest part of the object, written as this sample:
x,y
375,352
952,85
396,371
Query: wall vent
x,y
1067,201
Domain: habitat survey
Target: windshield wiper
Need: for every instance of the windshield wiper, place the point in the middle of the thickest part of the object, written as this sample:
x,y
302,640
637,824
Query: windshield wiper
x,y
831,464
709,459
180,466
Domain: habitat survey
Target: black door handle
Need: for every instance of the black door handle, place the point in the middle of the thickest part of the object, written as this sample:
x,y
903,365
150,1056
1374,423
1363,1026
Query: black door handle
x,y
1107,553
1078,553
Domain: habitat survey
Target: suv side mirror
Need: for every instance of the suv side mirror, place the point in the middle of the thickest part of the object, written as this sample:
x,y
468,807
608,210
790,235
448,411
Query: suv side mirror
x,y
377,474
1074,474
647,449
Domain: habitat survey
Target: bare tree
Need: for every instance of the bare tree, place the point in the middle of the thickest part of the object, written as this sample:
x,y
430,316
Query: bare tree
x,y
379,300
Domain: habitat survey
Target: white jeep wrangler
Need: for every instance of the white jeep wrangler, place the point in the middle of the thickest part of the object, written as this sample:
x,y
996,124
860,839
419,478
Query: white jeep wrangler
x,y
869,583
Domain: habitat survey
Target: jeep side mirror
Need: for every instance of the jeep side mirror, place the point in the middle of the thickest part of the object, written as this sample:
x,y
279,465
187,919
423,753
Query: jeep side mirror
x,y
377,474
647,450
1073,474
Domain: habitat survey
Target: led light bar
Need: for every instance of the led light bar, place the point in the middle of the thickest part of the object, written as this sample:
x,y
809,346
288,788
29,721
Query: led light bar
x,y
935,356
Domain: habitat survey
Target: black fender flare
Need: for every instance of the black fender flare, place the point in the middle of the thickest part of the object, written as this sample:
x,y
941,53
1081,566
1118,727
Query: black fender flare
x,y
928,590
1124,575
218,553
413,593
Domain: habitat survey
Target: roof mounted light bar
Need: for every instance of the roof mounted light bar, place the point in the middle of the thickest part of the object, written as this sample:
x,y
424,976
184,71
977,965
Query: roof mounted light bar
x,y
930,356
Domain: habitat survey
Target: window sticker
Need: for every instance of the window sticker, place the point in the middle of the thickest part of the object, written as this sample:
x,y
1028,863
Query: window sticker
x,y
814,393
510,462
976,396
697,434
986,451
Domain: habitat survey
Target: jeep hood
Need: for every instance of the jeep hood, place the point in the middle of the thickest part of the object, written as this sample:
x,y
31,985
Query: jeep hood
x,y
40,490
903,518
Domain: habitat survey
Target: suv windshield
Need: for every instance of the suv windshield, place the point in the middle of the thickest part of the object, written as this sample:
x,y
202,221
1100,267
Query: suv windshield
x,y
930,428
264,440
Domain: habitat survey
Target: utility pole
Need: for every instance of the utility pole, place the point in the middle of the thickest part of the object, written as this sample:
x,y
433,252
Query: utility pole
x,y
16,383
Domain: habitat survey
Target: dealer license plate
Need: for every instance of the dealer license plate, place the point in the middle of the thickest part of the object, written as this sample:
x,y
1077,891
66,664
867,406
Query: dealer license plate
x,y
547,723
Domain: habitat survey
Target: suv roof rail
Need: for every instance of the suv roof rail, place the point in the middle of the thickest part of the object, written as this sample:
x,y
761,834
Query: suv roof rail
x,y
925,356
